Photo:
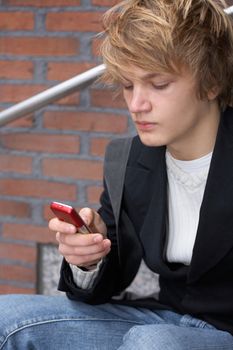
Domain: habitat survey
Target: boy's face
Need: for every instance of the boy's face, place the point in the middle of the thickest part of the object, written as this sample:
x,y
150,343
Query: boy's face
x,y
166,110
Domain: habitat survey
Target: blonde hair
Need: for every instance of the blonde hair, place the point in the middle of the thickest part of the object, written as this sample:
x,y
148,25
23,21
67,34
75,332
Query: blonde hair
x,y
166,35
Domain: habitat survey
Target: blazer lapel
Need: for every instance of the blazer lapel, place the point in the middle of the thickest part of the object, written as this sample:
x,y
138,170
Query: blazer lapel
x,y
153,229
141,176
215,230
114,171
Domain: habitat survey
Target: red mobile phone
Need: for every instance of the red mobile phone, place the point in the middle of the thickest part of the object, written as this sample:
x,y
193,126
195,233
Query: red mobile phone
x,y
68,214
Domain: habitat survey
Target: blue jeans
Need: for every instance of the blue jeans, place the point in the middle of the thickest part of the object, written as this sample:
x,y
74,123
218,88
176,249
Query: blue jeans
x,y
47,323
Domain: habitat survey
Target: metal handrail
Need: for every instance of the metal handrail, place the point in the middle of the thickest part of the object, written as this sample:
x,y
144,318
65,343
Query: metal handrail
x,y
50,95
58,91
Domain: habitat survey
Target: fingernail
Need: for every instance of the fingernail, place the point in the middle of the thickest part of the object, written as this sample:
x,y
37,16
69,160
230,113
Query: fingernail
x,y
106,243
72,229
97,238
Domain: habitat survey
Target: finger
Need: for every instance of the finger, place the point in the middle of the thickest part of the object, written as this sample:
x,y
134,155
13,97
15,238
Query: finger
x,y
57,225
87,260
79,239
84,251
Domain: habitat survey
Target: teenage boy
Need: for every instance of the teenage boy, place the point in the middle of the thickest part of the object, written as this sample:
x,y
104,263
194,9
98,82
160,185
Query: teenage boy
x,y
167,205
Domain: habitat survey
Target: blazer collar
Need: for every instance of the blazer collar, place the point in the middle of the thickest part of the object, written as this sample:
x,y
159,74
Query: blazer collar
x,y
153,230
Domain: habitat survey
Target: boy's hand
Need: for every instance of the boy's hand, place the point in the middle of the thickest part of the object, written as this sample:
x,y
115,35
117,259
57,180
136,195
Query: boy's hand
x,y
83,250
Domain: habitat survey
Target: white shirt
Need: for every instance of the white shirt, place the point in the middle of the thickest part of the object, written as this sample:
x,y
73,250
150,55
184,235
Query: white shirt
x,y
186,185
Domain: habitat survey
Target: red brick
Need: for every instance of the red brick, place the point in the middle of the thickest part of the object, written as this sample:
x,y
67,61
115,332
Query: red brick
x,y
106,98
13,208
29,233
16,69
18,252
17,273
23,122
73,168
66,70
105,2
8,289
37,46
17,164
16,20
17,93
93,194
74,21
98,146
47,213
43,3
41,142
86,121
38,188
70,100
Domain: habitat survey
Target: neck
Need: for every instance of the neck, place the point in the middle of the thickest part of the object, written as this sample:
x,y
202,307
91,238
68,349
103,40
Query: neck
x,y
201,140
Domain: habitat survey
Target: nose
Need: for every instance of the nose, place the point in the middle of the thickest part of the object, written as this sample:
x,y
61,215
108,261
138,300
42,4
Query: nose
x,y
138,101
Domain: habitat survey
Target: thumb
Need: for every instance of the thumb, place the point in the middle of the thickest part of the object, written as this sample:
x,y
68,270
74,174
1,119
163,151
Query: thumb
x,y
87,214
93,220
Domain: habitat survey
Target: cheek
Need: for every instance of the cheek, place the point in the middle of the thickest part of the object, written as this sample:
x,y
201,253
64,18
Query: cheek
x,y
178,108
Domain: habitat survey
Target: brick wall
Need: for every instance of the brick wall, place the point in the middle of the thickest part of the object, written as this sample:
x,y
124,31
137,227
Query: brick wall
x,y
56,153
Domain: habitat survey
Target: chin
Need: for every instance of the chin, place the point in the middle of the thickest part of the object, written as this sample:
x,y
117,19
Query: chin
x,y
150,141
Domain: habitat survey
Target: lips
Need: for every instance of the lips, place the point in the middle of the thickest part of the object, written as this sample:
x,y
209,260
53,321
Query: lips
x,y
145,125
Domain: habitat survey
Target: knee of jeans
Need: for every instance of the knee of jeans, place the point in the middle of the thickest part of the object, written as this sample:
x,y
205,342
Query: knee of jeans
x,y
154,337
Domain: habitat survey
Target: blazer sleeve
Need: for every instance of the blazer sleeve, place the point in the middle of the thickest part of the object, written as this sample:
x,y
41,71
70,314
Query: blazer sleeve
x,y
120,265
108,281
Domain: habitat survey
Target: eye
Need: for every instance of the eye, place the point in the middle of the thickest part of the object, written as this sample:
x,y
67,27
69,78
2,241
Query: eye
x,y
126,84
127,87
162,86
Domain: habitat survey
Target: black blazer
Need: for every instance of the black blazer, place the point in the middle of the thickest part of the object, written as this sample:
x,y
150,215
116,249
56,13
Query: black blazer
x,y
136,224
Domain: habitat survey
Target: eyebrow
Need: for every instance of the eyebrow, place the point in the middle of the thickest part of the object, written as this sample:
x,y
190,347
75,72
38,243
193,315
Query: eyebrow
x,y
150,75
145,76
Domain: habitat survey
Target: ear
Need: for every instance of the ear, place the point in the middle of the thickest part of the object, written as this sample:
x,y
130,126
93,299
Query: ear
x,y
213,93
